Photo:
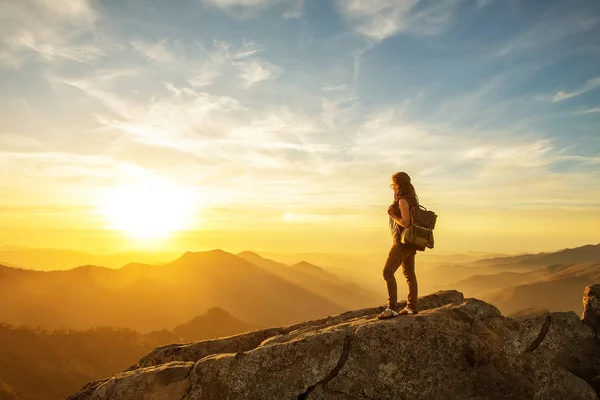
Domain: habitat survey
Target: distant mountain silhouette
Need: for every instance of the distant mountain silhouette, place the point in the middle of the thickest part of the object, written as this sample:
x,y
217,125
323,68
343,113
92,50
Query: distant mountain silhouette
x,y
351,268
62,259
347,295
482,284
587,254
215,323
441,276
556,288
478,284
147,297
366,268
329,260
523,284
325,259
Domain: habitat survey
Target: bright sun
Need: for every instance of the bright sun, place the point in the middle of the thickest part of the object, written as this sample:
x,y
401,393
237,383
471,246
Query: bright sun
x,y
152,209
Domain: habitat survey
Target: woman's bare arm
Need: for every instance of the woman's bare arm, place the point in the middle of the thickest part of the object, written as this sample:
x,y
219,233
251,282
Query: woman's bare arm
x,y
404,220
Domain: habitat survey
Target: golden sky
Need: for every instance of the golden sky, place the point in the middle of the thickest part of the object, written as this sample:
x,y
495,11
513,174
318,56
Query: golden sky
x,y
277,125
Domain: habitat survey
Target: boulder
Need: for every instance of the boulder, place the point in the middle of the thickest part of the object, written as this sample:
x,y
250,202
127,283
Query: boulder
x,y
454,348
591,307
163,382
248,341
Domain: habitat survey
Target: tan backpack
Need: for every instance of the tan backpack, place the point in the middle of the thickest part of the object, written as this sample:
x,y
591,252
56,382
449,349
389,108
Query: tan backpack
x,y
419,234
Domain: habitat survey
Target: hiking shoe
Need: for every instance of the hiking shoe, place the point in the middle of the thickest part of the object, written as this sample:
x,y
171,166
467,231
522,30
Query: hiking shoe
x,y
388,313
407,311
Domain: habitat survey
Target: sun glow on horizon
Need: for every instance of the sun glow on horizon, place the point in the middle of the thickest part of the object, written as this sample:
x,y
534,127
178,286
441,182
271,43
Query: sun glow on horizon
x,y
150,209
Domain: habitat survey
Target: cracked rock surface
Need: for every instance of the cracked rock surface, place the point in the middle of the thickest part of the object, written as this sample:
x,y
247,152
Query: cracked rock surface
x,y
454,348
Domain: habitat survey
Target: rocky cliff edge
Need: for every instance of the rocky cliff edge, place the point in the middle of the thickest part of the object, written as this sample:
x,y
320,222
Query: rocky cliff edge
x,y
455,348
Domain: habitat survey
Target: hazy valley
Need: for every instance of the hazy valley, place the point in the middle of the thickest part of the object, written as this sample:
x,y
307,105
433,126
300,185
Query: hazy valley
x,y
62,316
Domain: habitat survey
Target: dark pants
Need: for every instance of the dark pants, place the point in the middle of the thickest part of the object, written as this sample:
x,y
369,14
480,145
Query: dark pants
x,y
400,255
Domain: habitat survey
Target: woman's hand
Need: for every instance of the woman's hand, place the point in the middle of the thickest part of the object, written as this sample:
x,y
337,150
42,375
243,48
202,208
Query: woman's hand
x,y
391,211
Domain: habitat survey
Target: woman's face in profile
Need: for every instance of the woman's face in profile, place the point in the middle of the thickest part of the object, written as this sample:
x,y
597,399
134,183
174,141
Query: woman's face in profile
x,y
394,188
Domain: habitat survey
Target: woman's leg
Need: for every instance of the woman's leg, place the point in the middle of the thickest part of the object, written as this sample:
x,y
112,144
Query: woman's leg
x,y
391,266
408,269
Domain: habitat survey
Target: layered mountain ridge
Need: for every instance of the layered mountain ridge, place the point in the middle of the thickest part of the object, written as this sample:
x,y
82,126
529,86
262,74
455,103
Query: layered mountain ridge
x,y
90,296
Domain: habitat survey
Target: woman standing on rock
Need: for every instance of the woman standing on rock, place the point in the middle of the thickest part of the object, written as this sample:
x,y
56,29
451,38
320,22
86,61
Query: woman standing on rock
x,y
405,197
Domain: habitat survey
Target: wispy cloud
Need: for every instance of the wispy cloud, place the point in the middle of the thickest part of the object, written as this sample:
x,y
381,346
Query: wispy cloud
x,y
18,142
242,9
496,160
333,88
241,3
255,71
252,69
493,172
154,51
590,110
265,113
95,86
378,19
589,85
65,166
381,19
559,22
49,29
50,50
271,142
75,11
186,119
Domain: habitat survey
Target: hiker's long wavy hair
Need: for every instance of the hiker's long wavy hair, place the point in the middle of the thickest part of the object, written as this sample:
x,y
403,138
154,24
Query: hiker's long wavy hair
x,y
404,189
407,191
